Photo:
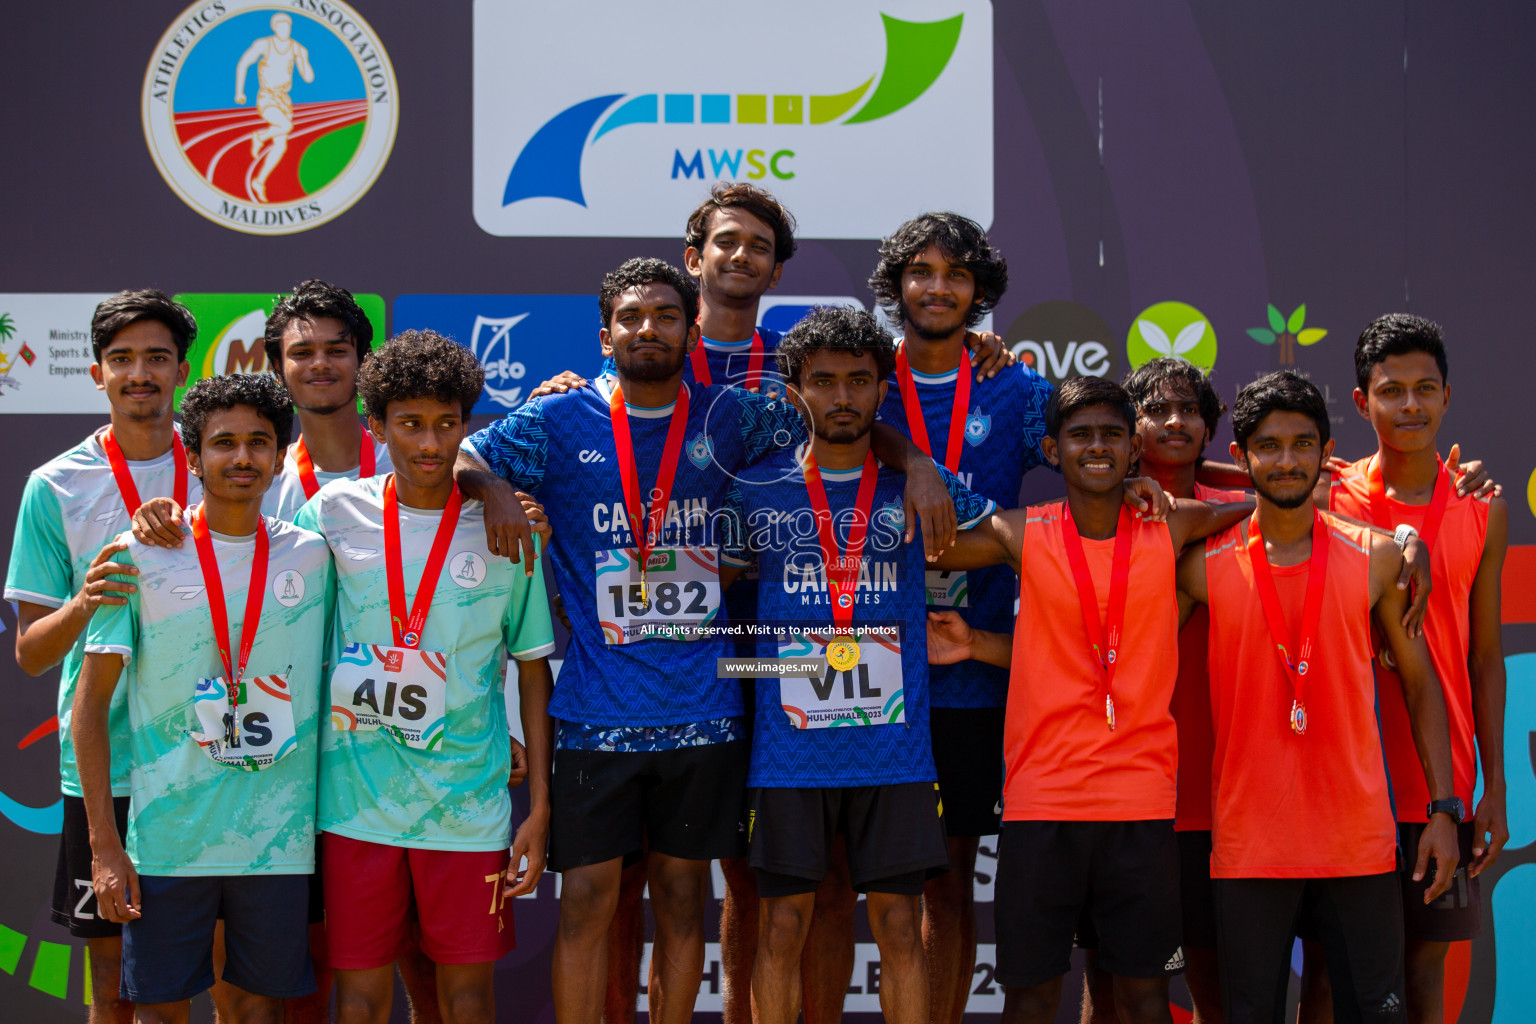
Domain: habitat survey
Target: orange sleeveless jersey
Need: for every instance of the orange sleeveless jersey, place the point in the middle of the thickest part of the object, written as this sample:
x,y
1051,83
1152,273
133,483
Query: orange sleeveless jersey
x,y
1289,806
1192,707
1454,558
1063,762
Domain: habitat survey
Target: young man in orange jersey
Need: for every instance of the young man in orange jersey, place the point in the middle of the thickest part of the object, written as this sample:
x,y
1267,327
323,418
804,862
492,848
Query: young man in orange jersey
x,y
1401,372
1177,410
1090,746
1302,809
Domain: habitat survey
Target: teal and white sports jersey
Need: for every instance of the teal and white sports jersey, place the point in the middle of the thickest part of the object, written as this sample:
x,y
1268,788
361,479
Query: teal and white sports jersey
x,y
189,815
70,509
287,495
453,794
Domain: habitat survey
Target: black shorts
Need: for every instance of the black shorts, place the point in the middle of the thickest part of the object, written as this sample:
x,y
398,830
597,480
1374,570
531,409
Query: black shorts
x,y
1358,919
968,753
1121,876
688,802
74,901
1195,889
1458,913
317,888
894,835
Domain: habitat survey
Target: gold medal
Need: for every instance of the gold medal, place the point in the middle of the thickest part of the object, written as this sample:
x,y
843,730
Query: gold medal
x,y
1109,711
1298,718
645,590
842,655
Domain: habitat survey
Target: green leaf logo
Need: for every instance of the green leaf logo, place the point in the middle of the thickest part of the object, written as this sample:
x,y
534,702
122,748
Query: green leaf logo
x,y
1288,331
7,327
1173,329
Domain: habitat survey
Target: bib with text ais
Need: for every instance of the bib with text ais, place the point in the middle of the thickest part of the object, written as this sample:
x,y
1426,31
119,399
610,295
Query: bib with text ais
x,y
266,734
862,683
399,690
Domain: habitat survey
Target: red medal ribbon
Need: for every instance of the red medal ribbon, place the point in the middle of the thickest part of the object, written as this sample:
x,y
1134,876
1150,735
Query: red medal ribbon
x,y
213,583
629,473
917,426
306,465
408,629
1104,637
701,372
1269,597
1381,512
125,484
842,568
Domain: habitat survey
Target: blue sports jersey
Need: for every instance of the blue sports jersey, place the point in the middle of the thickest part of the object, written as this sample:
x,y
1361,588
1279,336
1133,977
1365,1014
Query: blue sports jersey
x,y
1003,428
773,520
561,449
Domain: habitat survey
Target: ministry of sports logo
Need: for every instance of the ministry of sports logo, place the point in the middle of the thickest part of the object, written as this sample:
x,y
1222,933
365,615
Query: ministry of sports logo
x,y
270,118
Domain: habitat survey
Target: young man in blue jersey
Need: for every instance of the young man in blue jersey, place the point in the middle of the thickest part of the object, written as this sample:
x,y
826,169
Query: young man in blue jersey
x,y
845,752
650,747
64,569
938,275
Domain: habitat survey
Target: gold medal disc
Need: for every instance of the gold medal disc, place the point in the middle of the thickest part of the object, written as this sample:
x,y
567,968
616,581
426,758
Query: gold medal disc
x,y
842,655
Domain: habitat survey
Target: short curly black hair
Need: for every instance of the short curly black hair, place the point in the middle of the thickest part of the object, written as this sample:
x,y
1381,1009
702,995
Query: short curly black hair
x,y
315,300
644,270
760,203
1147,382
420,364
261,391
840,329
1281,391
964,243
1397,334
1078,393
117,312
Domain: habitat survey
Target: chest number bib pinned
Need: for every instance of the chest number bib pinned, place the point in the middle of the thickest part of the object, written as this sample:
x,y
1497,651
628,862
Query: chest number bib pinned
x,y
245,723
399,689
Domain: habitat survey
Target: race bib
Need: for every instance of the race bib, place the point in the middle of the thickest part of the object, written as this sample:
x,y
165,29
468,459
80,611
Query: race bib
x,y
399,690
948,589
266,733
862,684
683,590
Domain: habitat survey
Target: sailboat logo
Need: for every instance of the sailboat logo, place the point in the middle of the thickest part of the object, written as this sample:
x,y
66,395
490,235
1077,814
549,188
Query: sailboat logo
x,y
466,569
491,342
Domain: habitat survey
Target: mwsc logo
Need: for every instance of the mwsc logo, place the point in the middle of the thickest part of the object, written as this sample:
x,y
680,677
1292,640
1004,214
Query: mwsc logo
x,y
269,118
569,145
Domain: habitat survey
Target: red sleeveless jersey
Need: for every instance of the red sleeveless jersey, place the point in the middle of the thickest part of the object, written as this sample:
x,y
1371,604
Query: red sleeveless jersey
x,y
1063,762
1192,707
1454,557
1289,806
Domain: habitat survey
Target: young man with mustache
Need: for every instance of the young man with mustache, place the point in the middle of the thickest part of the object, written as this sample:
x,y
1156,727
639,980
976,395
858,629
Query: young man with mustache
x,y
650,750
64,569
1091,746
1303,825
220,653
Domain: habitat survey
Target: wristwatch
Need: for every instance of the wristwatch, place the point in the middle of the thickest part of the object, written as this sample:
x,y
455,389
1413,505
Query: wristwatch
x,y
1454,807
1402,535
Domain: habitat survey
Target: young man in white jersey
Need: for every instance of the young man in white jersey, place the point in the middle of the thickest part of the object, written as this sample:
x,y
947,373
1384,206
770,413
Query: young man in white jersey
x,y
413,794
63,567
220,655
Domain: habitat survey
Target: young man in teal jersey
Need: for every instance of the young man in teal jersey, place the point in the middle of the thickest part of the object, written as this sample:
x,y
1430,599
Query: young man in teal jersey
x,y
64,569
414,767
221,651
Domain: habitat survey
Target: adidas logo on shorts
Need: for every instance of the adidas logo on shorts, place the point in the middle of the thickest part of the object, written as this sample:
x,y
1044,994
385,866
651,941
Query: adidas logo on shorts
x,y
1175,962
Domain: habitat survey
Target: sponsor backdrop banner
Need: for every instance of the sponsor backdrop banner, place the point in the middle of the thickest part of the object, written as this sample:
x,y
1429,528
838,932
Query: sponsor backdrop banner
x,y
1241,187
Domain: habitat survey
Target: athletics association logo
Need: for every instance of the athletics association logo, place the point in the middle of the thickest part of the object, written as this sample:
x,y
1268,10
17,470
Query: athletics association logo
x,y
270,118
288,588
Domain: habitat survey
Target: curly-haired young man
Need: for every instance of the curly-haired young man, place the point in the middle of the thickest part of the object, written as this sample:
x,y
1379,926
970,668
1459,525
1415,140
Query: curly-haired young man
x,y
413,794
226,635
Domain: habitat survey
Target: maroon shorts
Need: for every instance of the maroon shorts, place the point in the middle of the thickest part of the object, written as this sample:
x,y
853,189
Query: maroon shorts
x,y
373,892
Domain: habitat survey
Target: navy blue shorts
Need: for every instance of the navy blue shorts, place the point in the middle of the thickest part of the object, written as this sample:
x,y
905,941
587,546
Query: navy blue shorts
x,y
168,953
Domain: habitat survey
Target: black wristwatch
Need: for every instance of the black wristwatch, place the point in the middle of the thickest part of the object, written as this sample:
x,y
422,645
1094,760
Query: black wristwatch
x,y
1454,807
